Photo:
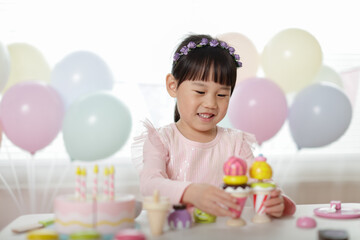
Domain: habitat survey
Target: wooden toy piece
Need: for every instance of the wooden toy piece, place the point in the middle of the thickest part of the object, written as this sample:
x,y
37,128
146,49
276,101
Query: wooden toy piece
x,y
260,169
157,210
180,218
44,233
261,189
335,211
87,234
203,217
261,192
238,221
306,222
130,234
235,183
32,226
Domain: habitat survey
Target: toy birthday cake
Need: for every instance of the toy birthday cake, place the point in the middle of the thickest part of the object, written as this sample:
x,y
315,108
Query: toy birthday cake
x,y
105,212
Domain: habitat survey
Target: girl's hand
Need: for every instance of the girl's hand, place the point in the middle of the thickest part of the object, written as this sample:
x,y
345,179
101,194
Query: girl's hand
x,y
274,206
210,199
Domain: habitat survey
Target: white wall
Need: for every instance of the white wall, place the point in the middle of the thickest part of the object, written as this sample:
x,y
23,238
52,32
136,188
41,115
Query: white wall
x,y
137,40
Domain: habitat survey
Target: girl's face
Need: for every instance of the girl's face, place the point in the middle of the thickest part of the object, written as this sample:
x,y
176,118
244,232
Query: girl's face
x,y
202,105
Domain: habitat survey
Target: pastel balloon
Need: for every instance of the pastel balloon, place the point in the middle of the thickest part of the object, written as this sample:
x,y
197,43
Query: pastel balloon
x,y
31,115
258,106
4,66
292,58
96,126
80,73
247,51
319,115
0,136
328,75
27,64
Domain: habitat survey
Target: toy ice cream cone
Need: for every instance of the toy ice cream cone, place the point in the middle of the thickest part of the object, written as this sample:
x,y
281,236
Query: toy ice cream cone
x,y
235,183
261,192
157,210
261,171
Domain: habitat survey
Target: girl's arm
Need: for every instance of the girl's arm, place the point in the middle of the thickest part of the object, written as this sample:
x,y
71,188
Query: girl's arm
x,y
206,197
153,175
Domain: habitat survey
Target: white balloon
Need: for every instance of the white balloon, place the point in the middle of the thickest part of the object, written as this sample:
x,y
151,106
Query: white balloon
x,y
328,75
81,73
4,66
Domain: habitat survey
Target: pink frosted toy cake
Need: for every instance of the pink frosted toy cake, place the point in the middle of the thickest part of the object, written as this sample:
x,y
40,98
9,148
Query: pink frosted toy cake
x,y
105,213
110,216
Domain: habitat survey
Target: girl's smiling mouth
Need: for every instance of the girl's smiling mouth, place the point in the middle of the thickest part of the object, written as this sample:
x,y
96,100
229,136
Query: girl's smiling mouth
x,y
205,115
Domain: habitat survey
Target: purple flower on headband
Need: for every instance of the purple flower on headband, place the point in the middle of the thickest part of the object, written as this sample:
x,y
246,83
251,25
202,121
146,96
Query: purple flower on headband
x,y
184,50
191,45
237,57
204,42
231,50
224,45
176,57
239,64
214,43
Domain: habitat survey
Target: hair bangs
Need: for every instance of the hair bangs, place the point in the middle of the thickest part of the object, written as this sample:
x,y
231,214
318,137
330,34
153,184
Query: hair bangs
x,y
210,65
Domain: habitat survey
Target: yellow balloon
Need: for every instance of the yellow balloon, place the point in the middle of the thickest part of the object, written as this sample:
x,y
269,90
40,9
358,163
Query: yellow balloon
x,y
292,59
26,63
249,56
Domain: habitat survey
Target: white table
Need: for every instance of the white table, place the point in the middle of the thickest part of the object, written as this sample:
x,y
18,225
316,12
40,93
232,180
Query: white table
x,y
279,229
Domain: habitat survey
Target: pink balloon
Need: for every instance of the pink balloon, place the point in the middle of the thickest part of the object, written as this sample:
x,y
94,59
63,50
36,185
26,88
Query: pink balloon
x,y
258,106
31,115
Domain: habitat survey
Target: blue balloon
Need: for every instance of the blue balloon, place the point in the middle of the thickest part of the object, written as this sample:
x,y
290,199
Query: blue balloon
x,y
319,115
80,73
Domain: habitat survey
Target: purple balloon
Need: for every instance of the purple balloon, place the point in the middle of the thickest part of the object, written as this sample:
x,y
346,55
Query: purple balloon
x,y
319,115
258,106
31,115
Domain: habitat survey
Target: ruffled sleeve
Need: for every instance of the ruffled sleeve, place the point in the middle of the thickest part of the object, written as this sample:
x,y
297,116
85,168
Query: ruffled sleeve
x,y
138,147
150,157
245,147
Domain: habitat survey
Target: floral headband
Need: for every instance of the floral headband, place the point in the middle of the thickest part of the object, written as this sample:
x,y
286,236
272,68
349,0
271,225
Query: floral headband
x,y
205,42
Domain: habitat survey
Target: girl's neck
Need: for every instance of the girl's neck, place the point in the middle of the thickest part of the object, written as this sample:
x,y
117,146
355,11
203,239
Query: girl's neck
x,y
196,135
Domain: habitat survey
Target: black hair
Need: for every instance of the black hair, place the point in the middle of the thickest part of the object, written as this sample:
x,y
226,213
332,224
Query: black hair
x,y
200,63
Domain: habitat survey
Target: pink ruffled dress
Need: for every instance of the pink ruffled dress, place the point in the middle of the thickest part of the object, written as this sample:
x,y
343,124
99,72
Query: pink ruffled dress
x,y
169,162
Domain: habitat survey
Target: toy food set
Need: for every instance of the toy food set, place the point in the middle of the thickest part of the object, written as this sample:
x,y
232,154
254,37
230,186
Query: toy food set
x,y
262,172
157,208
203,217
90,210
235,183
335,211
180,218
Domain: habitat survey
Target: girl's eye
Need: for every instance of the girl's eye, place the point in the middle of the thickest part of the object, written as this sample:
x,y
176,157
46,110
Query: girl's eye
x,y
222,95
200,92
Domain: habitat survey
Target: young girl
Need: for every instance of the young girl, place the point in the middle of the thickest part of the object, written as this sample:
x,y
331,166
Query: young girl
x,y
184,160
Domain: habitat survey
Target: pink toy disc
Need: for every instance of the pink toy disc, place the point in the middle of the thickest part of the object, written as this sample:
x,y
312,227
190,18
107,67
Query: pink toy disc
x,y
343,213
306,222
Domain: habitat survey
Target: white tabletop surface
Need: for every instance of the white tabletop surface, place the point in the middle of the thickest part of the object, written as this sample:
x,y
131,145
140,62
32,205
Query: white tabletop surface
x,y
279,229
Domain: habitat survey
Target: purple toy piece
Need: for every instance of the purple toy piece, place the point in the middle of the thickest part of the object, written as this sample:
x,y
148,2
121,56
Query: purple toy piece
x,y
180,218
